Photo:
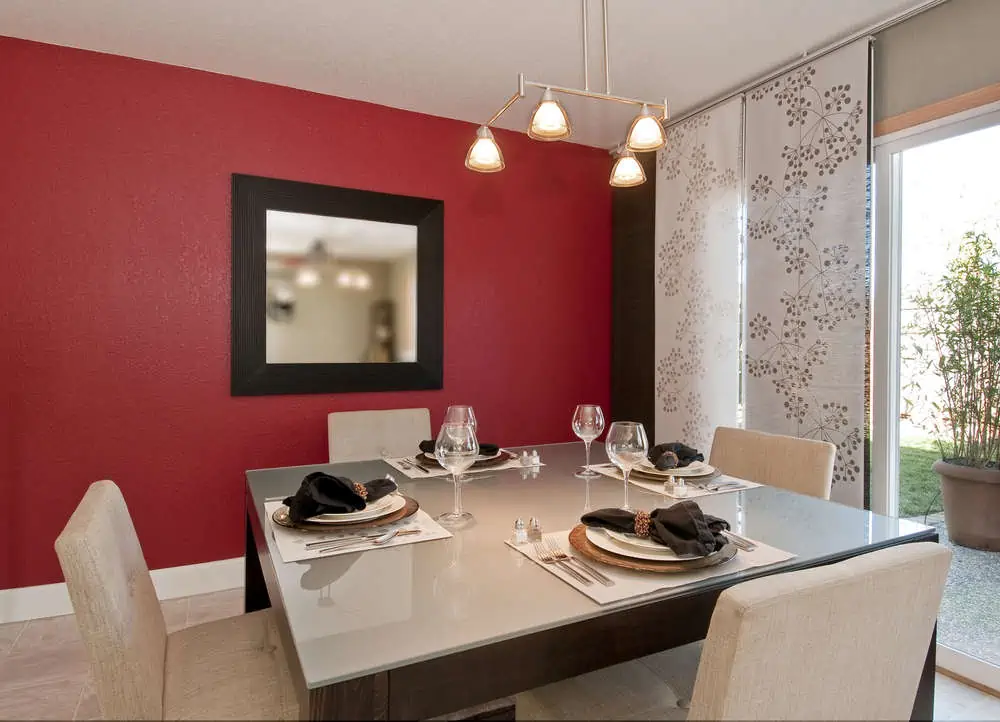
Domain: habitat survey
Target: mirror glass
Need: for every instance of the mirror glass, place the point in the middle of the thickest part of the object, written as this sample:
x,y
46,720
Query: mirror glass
x,y
340,290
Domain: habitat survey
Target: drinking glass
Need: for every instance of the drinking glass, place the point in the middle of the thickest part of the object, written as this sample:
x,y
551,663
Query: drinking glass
x,y
460,415
456,449
588,423
626,445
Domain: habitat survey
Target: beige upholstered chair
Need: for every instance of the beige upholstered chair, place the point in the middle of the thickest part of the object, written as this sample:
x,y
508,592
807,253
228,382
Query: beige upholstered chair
x,y
361,435
845,641
229,669
801,465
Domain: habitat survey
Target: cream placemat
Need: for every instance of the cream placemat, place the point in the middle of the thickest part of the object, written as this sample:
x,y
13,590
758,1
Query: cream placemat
x,y
431,473
292,542
629,583
658,487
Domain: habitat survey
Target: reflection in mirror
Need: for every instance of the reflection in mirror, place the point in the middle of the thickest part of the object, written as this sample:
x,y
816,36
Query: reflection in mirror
x,y
340,290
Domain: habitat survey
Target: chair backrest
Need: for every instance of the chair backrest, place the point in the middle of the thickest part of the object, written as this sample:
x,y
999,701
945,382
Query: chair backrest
x,y
361,435
845,641
116,608
801,465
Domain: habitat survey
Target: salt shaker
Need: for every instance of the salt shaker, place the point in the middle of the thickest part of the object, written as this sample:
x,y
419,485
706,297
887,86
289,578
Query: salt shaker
x,y
680,487
524,459
520,533
536,460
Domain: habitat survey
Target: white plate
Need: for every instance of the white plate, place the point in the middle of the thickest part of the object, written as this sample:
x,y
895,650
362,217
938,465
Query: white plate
x,y
695,468
383,507
600,538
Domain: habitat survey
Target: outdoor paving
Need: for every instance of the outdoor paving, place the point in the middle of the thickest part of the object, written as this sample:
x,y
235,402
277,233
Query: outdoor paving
x,y
970,611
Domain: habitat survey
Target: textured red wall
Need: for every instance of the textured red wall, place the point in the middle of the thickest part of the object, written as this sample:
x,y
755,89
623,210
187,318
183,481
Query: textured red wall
x,y
115,268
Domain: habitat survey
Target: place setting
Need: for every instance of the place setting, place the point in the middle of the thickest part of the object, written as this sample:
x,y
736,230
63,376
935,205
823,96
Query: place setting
x,y
426,462
331,515
614,554
618,553
672,469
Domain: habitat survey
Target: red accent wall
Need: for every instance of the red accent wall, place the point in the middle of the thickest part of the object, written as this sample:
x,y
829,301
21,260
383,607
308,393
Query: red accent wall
x,y
115,270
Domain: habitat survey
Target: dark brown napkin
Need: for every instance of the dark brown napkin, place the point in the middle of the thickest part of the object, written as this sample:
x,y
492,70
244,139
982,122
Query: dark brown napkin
x,y
673,455
485,449
683,527
321,493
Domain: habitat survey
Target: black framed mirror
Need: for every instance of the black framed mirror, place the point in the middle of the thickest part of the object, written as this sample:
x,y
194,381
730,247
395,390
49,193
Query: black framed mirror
x,y
334,289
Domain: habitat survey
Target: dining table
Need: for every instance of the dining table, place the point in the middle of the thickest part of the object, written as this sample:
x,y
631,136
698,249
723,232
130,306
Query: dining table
x,y
425,629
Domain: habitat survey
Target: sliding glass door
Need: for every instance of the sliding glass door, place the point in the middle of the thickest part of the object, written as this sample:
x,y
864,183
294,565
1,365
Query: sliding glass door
x,y
937,188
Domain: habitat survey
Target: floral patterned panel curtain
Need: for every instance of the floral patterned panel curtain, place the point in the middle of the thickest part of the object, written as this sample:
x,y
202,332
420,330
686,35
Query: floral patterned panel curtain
x,y
807,258
698,201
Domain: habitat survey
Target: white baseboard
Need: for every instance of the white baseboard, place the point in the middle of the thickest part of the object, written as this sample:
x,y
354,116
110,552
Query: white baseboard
x,y
972,669
52,600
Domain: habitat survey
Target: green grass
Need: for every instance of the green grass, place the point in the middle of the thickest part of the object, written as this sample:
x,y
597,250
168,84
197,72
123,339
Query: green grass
x,y
918,484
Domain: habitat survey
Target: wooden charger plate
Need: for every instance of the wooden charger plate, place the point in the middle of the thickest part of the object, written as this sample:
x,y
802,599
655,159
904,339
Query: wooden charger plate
x,y
281,518
579,541
503,458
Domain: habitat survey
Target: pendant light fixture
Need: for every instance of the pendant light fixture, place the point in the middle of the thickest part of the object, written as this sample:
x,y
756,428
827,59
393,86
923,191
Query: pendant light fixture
x,y
549,120
627,170
484,155
646,132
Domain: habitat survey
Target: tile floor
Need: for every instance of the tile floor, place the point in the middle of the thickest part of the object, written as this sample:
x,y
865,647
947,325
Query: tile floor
x,y
43,675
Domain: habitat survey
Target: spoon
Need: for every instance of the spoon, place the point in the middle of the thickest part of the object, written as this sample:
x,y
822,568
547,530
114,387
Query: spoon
x,y
376,541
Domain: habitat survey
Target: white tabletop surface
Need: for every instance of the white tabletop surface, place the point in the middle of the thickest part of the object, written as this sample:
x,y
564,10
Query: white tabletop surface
x,y
362,613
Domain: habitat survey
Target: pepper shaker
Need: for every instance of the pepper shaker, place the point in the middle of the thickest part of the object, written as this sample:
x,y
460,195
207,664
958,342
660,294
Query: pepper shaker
x,y
534,530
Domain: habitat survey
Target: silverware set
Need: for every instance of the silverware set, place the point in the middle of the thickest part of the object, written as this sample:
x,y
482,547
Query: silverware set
x,y
360,540
741,542
549,552
412,465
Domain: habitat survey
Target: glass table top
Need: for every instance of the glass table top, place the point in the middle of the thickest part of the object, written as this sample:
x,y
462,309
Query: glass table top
x,y
361,613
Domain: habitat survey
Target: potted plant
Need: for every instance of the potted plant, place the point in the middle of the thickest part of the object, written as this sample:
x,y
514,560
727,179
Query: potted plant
x,y
960,318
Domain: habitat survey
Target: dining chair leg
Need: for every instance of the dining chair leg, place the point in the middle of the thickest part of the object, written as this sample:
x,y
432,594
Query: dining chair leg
x,y
923,704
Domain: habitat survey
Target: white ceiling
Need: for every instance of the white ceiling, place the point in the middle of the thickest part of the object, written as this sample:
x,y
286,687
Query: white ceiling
x,y
460,58
294,233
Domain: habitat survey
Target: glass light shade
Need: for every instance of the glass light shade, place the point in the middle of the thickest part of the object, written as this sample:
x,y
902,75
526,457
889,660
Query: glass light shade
x,y
627,171
307,277
646,132
362,281
484,156
549,121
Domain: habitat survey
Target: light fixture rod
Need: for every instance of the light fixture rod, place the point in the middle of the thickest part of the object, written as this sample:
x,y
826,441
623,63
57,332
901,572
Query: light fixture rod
x,y
607,58
510,101
586,56
592,94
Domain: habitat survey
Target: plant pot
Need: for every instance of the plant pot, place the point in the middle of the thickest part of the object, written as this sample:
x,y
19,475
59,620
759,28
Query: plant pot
x,y
971,500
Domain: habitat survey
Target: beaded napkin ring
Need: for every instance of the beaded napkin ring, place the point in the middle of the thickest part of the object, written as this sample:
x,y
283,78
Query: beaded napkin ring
x,y
642,523
361,491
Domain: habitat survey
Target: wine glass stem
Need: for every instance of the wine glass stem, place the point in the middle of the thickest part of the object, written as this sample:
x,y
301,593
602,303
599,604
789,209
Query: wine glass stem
x,y
586,445
625,473
458,494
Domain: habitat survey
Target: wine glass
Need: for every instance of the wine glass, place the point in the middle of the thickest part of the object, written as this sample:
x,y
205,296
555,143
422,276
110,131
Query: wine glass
x,y
460,415
626,445
588,423
456,449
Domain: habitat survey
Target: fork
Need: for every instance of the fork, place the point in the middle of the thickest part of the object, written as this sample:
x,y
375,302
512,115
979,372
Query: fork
x,y
376,539
546,558
559,555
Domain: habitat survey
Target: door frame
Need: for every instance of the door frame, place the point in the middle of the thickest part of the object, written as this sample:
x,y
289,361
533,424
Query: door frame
x,y
886,331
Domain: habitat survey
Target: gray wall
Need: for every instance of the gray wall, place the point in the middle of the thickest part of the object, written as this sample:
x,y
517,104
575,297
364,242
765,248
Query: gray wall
x,y
944,52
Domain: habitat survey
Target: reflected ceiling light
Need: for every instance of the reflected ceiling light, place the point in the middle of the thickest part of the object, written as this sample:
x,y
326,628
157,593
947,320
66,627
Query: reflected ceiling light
x,y
646,132
344,279
484,155
307,277
549,121
627,171
362,281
